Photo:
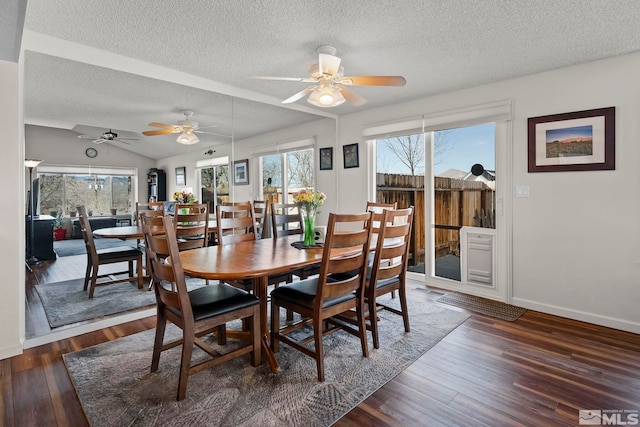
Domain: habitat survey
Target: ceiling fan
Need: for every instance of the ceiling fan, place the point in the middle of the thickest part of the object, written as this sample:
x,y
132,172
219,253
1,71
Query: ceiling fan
x,y
186,128
330,89
108,136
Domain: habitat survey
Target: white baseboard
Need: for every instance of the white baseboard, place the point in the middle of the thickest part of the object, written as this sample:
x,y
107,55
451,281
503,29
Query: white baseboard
x,y
11,351
596,319
83,329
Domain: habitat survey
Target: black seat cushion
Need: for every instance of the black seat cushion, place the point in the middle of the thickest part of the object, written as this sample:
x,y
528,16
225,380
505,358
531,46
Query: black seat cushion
x,y
217,299
303,293
118,252
386,282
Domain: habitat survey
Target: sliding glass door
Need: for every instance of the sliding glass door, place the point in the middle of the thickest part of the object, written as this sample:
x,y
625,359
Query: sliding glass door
x,y
449,177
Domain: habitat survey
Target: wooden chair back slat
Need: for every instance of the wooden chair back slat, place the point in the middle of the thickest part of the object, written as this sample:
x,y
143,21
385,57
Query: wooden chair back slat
x,y
192,227
235,223
286,219
344,252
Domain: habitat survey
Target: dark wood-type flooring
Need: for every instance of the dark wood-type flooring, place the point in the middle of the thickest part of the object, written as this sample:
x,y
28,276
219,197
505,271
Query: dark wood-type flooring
x,y
537,371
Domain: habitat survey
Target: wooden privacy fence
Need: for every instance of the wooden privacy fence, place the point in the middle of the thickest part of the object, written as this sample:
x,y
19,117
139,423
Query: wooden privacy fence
x,y
456,203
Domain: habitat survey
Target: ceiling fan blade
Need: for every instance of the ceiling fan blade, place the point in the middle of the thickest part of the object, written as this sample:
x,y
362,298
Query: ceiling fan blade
x,y
123,141
160,125
99,140
351,97
299,95
87,137
287,79
159,132
373,80
127,139
328,64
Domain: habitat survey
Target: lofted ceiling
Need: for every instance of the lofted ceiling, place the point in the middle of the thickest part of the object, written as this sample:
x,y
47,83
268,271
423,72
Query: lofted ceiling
x,y
121,64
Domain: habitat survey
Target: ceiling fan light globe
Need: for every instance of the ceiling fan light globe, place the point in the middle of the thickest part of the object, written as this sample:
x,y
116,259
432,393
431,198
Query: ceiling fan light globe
x,y
187,138
326,96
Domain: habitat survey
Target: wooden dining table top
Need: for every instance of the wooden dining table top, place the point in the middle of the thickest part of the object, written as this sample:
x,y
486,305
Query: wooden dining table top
x,y
247,260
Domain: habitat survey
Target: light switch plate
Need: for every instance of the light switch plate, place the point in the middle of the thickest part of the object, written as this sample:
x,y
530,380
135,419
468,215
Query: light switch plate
x,y
522,191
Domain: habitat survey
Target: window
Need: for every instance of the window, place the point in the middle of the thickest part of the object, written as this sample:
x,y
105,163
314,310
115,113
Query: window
x,y
63,189
214,181
286,173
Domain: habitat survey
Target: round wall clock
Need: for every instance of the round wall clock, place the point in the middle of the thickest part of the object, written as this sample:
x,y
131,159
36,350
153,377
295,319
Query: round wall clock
x,y
91,152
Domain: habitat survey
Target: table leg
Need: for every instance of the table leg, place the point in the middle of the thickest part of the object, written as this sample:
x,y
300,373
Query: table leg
x,y
260,291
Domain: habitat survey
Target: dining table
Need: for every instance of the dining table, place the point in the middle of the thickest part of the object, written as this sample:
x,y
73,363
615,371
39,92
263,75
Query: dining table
x,y
133,231
255,260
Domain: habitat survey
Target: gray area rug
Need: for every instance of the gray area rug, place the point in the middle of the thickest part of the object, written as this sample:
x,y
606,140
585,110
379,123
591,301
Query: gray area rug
x,y
71,247
116,388
65,302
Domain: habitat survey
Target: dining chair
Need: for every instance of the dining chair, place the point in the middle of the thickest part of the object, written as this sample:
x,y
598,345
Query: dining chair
x,y
389,269
151,208
191,225
261,212
197,312
377,209
157,222
286,220
319,299
236,223
96,258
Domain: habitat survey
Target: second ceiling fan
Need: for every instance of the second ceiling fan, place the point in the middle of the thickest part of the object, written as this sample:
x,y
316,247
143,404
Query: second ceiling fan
x,y
186,128
330,89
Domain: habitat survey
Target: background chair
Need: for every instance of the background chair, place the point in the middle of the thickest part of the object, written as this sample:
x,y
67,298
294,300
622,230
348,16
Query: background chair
x,y
197,312
152,208
192,226
389,269
286,220
319,299
261,212
236,223
96,258
377,210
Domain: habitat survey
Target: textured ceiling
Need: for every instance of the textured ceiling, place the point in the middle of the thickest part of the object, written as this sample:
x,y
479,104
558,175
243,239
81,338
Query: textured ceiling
x,y
437,46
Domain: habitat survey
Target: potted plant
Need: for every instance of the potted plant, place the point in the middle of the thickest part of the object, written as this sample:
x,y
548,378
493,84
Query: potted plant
x,y
59,231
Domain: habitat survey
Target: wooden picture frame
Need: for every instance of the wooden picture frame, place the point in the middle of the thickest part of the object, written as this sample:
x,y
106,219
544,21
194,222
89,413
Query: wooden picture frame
x,y
326,158
181,178
350,156
578,141
241,172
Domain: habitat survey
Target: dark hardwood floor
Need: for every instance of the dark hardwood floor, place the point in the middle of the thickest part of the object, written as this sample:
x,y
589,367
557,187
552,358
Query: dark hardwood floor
x,y
538,371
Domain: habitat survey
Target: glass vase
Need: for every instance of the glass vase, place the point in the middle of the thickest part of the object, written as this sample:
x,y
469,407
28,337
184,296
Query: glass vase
x,y
309,234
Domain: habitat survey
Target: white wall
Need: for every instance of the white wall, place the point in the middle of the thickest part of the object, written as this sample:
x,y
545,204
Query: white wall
x,y
62,147
576,238
12,234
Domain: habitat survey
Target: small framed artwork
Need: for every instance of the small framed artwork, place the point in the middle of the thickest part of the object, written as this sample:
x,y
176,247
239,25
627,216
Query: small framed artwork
x,y
350,155
578,141
180,176
241,172
326,159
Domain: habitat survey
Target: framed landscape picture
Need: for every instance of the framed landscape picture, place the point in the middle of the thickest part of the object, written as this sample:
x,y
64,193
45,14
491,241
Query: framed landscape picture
x,y
578,141
326,158
180,176
350,155
241,172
